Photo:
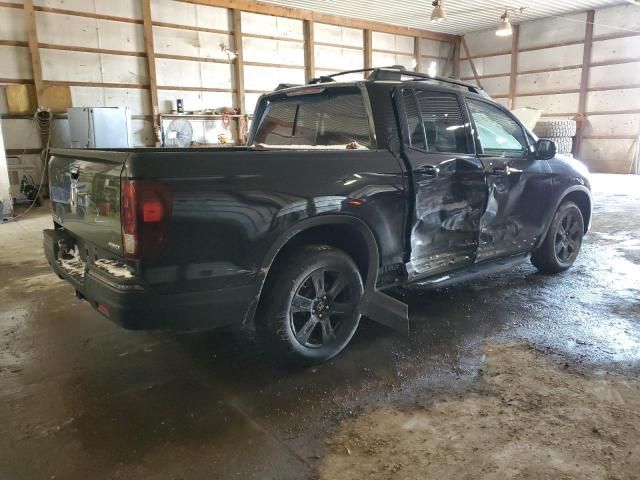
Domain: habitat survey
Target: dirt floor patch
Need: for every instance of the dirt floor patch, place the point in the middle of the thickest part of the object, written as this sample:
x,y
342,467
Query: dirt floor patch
x,y
525,418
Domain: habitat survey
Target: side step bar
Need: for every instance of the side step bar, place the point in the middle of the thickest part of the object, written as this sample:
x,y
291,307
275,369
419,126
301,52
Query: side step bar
x,y
479,270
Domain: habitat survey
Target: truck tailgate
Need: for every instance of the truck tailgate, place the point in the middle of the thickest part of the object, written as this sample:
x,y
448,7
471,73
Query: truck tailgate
x,y
85,194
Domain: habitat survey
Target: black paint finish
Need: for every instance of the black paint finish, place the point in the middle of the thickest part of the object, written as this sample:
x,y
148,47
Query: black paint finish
x,y
408,215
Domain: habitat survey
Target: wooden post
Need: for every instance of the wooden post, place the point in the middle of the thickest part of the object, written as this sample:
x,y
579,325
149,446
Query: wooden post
x,y
513,77
32,38
417,52
309,54
368,54
151,64
456,57
238,70
584,80
470,59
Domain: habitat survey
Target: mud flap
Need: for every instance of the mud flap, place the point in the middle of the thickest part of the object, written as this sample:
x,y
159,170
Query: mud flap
x,y
384,309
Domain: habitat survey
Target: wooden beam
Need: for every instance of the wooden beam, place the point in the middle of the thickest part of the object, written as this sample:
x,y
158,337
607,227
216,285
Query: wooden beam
x,y
238,71
97,16
309,54
513,77
368,52
469,58
417,52
32,40
151,65
456,57
584,79
319,17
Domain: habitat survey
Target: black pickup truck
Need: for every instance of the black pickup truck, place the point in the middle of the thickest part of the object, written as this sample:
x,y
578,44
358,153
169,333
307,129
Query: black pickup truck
x,y
345,190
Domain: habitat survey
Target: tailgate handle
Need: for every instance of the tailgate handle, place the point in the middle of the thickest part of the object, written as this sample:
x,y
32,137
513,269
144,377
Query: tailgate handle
x,y
75,173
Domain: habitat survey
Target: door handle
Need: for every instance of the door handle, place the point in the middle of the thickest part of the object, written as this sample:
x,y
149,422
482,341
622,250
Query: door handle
x,y
428,170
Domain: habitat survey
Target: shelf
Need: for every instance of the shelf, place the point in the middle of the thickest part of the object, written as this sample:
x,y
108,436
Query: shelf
x,y
198,116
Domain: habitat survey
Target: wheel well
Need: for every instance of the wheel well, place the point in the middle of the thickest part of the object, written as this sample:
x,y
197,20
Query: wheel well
x,y
583,202
348,238
345,237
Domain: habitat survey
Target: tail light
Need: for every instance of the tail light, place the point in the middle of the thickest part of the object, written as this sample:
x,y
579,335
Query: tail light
x,y
145,211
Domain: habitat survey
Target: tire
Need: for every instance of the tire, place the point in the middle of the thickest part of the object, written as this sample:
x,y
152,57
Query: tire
x,y
561,246
551,127
309,309
563,144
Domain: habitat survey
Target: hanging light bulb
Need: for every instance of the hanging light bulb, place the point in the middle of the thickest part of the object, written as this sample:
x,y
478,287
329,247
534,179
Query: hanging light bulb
x,y
504,28
438,14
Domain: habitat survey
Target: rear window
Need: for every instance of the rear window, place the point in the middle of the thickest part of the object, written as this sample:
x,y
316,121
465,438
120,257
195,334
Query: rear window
x,y
332,117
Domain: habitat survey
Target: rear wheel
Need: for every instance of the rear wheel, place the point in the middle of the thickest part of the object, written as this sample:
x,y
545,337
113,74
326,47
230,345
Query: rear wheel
x,y
562,244
310,304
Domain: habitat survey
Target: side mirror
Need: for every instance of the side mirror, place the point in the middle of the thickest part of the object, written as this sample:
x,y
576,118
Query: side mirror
x,y
545,149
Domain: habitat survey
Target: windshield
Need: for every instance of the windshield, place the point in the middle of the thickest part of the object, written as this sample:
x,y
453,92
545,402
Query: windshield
x,y
328,118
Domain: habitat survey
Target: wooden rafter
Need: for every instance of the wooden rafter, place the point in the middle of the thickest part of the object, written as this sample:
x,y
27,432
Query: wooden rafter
x,y
584,79
368,52
309,54
151,63
469,58
513,77
34,51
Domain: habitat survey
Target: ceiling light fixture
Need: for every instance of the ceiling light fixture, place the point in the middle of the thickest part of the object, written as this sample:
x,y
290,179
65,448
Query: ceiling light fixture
x,y
504,28
438,14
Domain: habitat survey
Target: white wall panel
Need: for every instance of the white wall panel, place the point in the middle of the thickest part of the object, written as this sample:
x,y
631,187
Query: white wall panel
x,y
273,26
389,41
12,24
193,101
137,99
549,81
434,47
604,125
184,73
268,78
623,16
615,49
92,67
338,58
15,62
382,59
173,41
550,57
487,66
606,101
20,134
560,103
484,42
425,64
547,31
273,51
615,75
88,32
118,8
496,85
171,11
608,156
325,33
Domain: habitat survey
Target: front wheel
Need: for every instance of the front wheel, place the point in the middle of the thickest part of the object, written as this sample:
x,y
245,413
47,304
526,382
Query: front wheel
x,y
311,300
562,244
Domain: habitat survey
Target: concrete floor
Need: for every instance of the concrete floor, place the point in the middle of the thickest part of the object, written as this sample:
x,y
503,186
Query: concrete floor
x,y
81,398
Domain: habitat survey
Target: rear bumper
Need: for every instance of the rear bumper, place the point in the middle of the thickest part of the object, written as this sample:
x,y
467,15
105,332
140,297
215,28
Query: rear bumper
x,y
136,307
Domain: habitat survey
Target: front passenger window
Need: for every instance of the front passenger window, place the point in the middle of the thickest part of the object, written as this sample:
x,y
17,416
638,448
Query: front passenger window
x,y
498,133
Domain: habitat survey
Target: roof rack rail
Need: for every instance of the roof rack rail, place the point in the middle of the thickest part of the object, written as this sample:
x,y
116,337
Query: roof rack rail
x,y
396,72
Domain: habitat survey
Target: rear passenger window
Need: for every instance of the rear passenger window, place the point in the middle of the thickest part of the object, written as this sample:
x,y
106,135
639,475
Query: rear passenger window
x,y
435,122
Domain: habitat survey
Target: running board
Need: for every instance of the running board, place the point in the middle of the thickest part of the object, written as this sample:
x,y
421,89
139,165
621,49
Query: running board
x,y
384,309
479,270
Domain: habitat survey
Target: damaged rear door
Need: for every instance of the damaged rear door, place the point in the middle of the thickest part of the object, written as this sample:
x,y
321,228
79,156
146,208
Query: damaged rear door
x,y
447,178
